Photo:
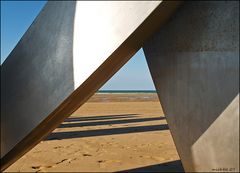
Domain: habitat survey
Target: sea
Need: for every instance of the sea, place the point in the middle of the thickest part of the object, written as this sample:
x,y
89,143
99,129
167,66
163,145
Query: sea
x,y
124,95
125,91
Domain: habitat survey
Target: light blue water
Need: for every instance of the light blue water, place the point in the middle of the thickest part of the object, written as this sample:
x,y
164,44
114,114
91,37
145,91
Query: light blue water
x,y
126,91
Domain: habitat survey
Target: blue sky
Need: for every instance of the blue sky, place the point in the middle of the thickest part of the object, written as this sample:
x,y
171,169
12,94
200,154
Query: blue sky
x,y
17,16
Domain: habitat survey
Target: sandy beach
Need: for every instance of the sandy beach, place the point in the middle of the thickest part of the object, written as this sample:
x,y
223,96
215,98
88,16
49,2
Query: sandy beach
x,y
109,133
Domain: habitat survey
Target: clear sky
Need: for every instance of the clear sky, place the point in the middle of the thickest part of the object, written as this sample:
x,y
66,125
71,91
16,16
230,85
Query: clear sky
x,y
17,16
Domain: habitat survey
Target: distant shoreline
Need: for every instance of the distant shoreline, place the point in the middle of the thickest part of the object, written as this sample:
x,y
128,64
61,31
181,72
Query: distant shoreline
x,y
125,91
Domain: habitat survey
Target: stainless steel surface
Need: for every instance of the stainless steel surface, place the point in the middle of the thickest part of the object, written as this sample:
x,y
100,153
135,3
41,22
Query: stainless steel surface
x,y
194,62
38,74
68,53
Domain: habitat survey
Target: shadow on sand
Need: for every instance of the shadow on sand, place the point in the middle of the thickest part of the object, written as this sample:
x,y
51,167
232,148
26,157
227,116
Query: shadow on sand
x,y
102,117
99,123
173,166
104,132
94,121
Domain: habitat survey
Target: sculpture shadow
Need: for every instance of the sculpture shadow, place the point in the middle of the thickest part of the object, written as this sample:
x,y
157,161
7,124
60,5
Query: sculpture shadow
x,y
104,132
173,166
99,123
107,131
103,117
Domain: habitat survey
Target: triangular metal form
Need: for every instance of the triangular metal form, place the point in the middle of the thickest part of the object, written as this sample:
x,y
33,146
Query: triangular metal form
x,y
67,54
73,48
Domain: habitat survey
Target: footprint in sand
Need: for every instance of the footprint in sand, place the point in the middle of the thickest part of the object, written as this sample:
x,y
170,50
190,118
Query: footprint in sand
x,y
103,163
157,158
57,147
69,146
64,160
42,168
87,155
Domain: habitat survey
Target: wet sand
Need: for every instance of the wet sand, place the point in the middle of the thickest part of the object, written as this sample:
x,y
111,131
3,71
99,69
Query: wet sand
x,y
110,133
